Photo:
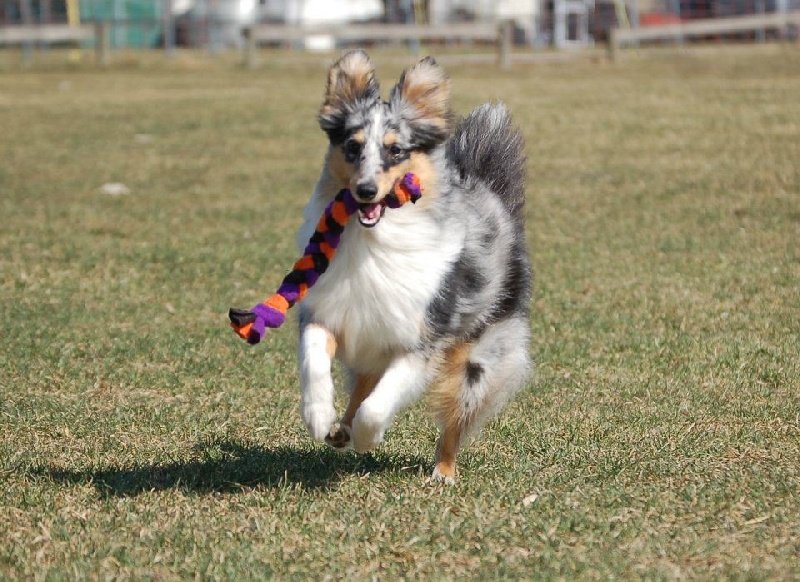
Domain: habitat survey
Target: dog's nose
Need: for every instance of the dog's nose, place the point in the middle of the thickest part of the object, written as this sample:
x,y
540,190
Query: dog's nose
x,y
367,191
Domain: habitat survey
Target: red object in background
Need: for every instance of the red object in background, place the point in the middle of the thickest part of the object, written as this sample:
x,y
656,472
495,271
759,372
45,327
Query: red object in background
x,y
658,18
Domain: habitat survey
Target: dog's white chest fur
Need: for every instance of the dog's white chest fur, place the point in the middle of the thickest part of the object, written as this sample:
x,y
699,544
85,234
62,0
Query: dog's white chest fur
x,y
374,295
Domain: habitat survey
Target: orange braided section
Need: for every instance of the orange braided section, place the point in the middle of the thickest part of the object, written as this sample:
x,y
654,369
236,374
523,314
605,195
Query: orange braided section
x,y
402,192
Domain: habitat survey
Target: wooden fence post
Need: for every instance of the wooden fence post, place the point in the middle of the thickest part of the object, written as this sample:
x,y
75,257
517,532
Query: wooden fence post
x,y
26,13
791,24
102,43
250,47
505,31
613,44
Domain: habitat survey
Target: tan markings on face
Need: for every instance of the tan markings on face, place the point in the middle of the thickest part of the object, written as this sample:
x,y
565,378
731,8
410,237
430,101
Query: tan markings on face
x,y
387,179
389,139
340,168
420,164
340,171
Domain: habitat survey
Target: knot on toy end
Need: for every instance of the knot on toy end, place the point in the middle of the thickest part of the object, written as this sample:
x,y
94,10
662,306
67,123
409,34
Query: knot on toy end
x,y
251,324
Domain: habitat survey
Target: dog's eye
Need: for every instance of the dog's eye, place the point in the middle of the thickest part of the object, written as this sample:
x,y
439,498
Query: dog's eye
x,y
396,152
352,149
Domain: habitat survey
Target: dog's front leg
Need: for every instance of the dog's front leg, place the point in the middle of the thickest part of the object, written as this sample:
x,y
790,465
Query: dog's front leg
x,y
317,348
401,384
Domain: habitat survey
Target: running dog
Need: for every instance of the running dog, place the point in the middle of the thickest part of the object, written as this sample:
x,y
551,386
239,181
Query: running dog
x,y
431,296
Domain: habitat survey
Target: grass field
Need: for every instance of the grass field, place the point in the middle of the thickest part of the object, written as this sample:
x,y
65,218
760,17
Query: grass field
x,y
659,438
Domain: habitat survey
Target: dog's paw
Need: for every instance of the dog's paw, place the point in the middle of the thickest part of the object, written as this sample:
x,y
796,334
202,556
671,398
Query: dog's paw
x,y
438,476
368,427
318,418
339,437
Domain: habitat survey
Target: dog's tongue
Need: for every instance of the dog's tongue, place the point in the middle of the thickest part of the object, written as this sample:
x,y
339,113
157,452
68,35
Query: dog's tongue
x,y
371,211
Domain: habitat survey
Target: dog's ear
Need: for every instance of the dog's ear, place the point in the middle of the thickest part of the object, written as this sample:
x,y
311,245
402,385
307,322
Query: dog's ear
x,y
422,98
351,83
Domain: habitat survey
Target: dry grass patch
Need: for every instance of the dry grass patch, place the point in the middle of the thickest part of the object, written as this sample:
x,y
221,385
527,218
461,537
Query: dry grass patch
x,y
659,438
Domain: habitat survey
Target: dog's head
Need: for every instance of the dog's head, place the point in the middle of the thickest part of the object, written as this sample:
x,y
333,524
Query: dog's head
x,y
374,143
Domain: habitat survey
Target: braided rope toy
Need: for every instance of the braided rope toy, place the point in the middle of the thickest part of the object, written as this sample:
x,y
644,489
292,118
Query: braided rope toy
x,y
251,324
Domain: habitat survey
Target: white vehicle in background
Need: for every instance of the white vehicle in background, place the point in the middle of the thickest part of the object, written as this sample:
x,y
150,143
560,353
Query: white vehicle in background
x,y
321,11
316,12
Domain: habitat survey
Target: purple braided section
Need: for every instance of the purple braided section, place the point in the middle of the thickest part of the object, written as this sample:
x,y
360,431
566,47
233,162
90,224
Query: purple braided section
x,y
411,185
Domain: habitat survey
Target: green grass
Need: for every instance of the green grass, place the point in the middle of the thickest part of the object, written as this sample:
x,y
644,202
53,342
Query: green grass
x,y
659,438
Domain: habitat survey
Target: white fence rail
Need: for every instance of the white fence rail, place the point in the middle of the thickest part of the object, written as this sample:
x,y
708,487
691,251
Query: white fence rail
x,y
499,35
27,35
781,22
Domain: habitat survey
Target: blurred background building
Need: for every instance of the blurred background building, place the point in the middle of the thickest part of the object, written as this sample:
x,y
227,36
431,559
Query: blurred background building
x,y
217,24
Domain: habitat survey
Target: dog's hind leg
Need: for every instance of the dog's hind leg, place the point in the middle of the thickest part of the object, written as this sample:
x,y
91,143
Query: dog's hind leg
x,y
446,404
476,380
317,348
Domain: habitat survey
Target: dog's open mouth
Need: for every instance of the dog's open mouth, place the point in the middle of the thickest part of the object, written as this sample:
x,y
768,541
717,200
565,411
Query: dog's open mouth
x,y
370,214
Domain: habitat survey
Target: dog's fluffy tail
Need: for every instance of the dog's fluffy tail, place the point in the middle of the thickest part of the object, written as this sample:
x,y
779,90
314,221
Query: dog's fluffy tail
x,y
488,147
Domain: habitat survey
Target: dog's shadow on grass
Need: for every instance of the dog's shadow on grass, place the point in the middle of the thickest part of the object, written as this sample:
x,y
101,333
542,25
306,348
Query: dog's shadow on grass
x,y
230,467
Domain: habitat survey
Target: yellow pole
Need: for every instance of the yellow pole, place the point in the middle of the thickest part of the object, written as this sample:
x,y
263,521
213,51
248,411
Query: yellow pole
x,y
622,14
419,12
74,19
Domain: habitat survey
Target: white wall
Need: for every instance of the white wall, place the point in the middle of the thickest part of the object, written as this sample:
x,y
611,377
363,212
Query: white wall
x,y
323,11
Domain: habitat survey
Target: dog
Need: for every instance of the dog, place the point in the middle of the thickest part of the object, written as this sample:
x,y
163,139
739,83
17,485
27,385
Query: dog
x,y
431,296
